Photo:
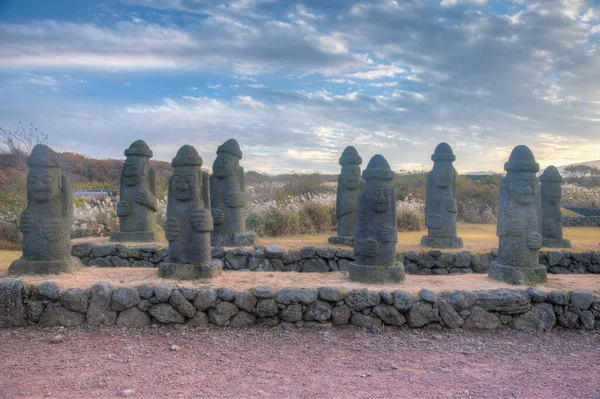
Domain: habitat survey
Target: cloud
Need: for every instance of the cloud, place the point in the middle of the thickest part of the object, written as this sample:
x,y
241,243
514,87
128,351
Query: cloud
x,y
302,81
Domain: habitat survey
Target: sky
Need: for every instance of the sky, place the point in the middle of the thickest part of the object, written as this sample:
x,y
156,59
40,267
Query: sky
x,y
295,82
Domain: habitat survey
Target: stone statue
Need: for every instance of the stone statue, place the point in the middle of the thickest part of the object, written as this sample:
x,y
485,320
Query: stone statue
x,y
47,220
551,193
376,231
349,187
189,221
228,198
440,201
137,206
519,222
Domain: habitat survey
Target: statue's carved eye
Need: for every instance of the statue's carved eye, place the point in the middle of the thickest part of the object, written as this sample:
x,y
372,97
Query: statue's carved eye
x,y
47,179
176,179
189,179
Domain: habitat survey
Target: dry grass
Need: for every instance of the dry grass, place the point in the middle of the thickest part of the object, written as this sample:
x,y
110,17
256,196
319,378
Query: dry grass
x,y
568,212
476,238
245,280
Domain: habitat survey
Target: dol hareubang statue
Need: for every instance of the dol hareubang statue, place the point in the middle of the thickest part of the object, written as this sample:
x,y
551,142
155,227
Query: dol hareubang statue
x,y
376,230
440,201
47,220
228,198
551,193
189,220
137,205
349,187
519,222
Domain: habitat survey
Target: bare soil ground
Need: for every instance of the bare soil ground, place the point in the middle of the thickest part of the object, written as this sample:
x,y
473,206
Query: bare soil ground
x,y
244,280
300,363
476,238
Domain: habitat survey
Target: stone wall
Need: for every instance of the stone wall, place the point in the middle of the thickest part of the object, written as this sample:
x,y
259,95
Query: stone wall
x,y
581,221
583,211
47,305
311,259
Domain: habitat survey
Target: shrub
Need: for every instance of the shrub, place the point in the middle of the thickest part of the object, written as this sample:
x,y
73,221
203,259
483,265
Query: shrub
x,y
410,214
317,217
256,223
279,221
10,236
409,220
97,218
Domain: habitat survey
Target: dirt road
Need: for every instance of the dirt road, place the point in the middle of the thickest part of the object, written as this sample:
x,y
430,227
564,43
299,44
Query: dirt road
x,y
298,363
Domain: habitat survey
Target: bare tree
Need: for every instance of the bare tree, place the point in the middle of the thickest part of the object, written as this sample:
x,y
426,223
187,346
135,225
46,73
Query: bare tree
x,y
16,144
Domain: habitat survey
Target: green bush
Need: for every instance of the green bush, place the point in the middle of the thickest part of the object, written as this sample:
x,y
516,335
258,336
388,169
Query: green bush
x,y
10,236
279,222
317,218
410,220
255,223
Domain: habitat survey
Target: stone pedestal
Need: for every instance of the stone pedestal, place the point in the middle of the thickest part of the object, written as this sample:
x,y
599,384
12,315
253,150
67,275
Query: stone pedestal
x,y
377,274
137,236
341,240
556,243
244,239
186,271
24,266
440,242
518,275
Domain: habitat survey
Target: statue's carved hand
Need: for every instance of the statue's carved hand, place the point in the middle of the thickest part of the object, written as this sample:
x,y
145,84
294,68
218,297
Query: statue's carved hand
x,y
517,227
52,229
143,197
27,223
234,200
370,247
218,216
348,206
450,205
173,229
123,208
201,221
434,221
387,234
534,241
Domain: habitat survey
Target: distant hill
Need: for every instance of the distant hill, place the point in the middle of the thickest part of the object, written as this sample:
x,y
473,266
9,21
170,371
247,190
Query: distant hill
x,y
596,163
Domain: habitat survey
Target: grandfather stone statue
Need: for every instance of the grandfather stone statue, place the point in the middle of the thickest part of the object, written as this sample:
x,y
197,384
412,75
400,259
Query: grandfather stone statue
x,y
349,187
228,198
376,231
440,201
137,206
551,188
519,222
47,220
189,221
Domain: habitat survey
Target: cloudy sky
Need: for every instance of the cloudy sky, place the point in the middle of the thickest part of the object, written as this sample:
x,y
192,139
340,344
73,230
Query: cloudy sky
x,y
297,81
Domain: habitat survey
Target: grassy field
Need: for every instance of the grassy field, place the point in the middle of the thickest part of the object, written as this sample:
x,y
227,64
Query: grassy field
x,y
476,237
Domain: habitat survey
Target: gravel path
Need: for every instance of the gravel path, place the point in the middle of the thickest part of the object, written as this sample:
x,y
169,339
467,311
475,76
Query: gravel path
x,y
299,363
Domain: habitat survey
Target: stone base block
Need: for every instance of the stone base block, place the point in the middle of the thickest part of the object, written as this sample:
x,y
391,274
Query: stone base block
x,y
24,266
441,242
377,274
341,240
137,236
556,243
233,239
187,271
518,275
